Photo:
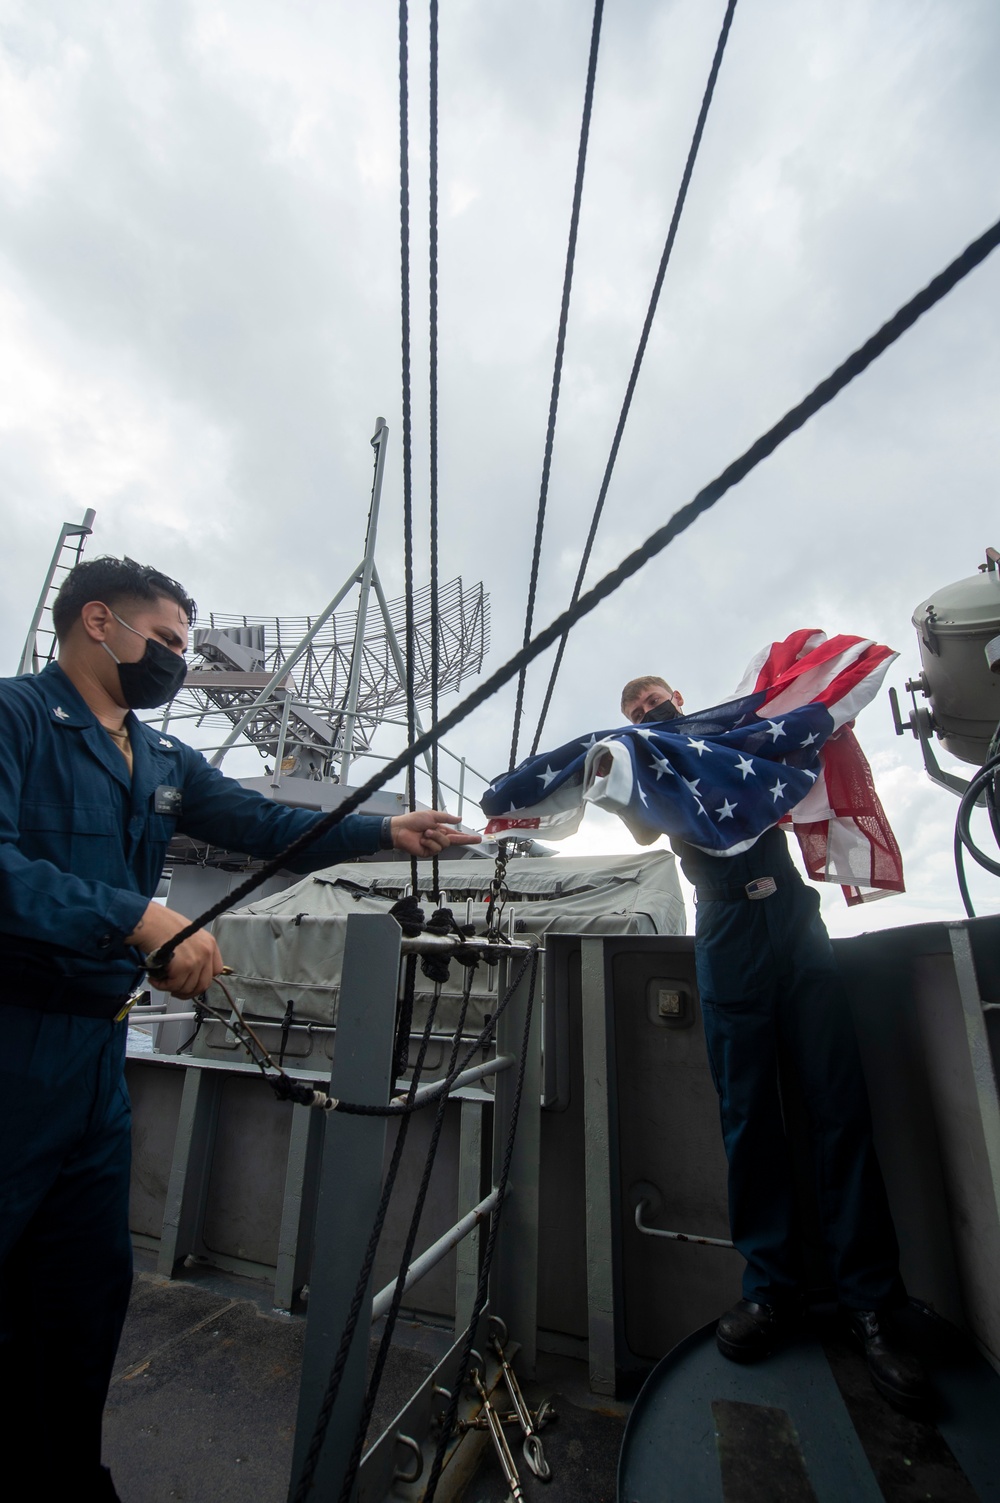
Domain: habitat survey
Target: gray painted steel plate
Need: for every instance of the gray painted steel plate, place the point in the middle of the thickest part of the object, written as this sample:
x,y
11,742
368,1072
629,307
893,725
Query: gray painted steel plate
x,y
806,1424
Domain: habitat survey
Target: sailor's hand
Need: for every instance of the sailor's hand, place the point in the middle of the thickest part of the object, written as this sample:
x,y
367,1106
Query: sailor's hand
x,y
427,832
192,965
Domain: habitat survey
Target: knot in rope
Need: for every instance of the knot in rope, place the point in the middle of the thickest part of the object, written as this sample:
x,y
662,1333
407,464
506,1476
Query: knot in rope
x,y
409,915
287,1089
437,967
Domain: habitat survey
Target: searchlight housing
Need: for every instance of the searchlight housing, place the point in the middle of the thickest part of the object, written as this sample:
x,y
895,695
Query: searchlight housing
x,y
958,631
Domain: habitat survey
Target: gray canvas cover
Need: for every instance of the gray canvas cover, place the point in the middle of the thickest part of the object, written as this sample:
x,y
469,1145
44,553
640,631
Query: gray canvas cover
x,y
289,946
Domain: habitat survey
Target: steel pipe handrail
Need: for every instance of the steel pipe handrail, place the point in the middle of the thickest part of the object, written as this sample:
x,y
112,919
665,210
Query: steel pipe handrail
x,y
437,1250
467,1077
432,944
654,1231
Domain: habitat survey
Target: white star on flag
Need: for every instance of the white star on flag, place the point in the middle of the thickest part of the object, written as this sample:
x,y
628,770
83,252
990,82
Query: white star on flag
x,y
692,783
726,812
744,765
701,747
777,790
547,776
662,766
775,728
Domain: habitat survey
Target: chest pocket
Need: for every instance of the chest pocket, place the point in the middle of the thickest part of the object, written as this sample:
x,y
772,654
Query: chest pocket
x,y
67,819
82,838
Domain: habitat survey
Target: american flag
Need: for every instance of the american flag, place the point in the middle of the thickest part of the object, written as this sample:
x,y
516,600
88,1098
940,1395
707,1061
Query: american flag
x,y
781,749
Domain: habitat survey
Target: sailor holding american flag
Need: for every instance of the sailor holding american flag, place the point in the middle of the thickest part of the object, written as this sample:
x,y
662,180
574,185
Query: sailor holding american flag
x,y
720,783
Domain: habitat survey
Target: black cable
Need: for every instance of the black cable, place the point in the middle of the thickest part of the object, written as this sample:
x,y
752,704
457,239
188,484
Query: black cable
x,y
985,781
963,886
404,1019
550,432
347,1335
706,498
392,1313
482,1288
675,220
404,299
311,1462
194,1033
433,382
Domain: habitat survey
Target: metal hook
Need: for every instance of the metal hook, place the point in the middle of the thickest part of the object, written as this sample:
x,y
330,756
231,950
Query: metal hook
x,y
534,1455
418,1458
495,1320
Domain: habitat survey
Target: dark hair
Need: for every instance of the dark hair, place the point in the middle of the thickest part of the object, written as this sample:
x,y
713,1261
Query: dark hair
x,y
113,580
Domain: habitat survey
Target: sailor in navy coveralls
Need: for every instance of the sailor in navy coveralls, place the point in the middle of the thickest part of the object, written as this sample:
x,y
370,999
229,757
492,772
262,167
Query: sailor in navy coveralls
x,y
767,978
89,799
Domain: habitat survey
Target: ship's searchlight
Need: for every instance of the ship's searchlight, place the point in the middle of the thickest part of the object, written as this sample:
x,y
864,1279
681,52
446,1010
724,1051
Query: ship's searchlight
x,y
958,631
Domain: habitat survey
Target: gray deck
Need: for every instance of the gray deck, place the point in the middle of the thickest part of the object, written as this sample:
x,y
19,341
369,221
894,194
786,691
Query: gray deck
x,y
202,1406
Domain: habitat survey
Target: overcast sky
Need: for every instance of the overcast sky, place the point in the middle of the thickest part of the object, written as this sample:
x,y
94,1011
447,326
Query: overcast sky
x,y
199,316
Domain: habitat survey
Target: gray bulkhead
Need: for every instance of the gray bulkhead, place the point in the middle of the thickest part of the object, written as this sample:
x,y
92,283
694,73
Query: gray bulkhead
x,y
628,1134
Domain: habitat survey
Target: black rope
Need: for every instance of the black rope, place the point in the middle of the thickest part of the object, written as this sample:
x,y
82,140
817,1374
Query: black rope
x,y
451,1413
347,1335
793,420
200,1018
433,381
404,276
581,162
411,1237
404,1019
675,220
311,1462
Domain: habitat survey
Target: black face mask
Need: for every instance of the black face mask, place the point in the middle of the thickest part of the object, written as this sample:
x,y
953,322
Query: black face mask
x,y
666,711
156,676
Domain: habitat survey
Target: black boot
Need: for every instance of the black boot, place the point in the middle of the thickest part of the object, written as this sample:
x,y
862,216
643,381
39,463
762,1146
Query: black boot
x,y
895,1372
749,1330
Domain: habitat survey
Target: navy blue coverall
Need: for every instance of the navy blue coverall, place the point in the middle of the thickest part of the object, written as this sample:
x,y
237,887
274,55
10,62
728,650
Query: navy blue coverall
x,y
82,849
768,980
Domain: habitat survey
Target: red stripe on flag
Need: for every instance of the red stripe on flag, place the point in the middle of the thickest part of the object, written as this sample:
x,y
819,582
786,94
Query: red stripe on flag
x,y
497,826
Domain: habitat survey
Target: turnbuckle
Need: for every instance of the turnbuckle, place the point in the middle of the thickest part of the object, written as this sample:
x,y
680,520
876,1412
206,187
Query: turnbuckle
x,y
530,1424
495,1427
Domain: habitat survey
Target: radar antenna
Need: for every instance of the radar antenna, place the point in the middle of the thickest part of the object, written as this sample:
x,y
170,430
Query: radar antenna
x,y
310,692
